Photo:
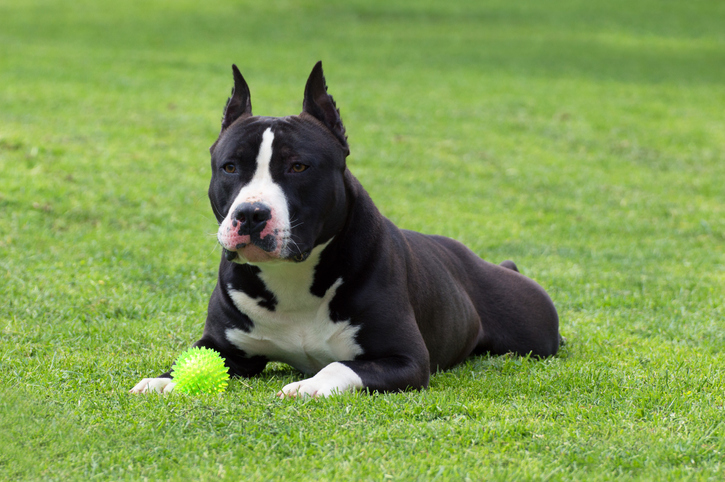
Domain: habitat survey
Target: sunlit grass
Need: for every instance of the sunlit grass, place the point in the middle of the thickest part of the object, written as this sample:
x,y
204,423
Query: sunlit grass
x,y
585,141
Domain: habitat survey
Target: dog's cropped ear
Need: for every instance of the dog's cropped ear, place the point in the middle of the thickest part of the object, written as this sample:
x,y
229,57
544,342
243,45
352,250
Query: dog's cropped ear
x,y
319,104
240,103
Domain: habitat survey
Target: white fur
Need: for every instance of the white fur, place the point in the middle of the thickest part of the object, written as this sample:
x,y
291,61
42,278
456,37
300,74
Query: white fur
x,y
299,331
335,378
158,385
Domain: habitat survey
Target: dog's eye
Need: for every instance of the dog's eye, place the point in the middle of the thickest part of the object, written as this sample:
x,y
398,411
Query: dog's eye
x,y
299,167
229,168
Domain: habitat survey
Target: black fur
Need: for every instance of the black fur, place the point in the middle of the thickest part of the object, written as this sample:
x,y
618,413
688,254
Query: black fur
x,y
422,303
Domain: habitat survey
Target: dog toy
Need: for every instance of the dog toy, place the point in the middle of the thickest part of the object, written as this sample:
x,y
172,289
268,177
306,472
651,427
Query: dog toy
x,y
200,370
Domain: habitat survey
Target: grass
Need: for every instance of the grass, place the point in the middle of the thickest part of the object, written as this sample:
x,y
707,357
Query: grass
x,y
585,141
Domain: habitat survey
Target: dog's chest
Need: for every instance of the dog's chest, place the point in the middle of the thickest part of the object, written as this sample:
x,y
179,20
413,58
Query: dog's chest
x,y
298,331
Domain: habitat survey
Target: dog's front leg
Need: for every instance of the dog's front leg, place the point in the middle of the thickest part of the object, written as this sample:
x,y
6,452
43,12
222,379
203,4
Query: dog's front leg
x,y
160,384
384,375
237,363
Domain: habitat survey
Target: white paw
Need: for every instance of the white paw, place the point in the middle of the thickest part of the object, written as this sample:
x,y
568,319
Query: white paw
x,y
335,378
158,385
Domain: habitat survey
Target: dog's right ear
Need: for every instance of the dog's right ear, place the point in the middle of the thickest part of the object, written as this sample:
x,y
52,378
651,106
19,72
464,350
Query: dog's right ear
x,y
240,103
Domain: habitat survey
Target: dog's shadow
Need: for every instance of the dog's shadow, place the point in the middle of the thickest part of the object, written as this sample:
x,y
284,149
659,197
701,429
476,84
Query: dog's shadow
x,y
277,373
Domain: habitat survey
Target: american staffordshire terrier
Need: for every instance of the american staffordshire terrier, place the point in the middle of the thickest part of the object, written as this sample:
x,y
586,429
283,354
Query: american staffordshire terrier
x,y
313,275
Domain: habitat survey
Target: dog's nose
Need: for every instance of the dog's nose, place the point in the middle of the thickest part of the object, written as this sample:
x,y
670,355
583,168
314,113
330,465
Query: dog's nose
x,y
251,217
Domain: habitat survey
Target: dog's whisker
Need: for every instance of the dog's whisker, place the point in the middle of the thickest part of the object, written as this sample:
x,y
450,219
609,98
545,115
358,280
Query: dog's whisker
x,y
216,210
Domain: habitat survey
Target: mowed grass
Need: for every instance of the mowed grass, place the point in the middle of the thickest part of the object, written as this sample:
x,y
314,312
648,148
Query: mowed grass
x,y
585,141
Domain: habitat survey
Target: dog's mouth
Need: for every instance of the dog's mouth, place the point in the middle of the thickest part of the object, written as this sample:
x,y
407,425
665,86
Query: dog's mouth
x,y
251,253
258,246
230,255
251,237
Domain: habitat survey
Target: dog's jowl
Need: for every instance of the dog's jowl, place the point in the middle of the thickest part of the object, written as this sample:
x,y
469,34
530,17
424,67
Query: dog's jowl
x,y
311,274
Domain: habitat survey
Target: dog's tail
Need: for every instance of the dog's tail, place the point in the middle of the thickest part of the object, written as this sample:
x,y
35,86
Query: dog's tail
x,y
510,265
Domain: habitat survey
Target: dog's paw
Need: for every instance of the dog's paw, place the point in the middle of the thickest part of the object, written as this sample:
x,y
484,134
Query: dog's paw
x,y
335,378
158,385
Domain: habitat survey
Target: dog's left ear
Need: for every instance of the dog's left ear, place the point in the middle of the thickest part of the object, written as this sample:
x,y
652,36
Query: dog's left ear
x,y
319,104
240,103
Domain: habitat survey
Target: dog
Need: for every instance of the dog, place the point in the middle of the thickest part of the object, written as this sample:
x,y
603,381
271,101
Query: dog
x,y
313,275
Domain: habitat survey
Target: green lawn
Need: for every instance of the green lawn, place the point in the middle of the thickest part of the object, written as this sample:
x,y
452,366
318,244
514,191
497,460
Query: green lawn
x,y
584,140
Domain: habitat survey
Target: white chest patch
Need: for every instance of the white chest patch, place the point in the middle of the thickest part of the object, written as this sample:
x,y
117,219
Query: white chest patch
x,y
299,331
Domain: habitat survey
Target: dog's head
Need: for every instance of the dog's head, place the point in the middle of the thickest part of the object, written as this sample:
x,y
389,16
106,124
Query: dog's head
x,y
277,186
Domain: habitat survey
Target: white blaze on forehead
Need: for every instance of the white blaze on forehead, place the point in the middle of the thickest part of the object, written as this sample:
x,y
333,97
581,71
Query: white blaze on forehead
x,y
264,157
262,185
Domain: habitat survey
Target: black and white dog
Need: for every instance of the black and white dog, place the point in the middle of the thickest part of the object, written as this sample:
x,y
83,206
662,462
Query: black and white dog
x,y
314,276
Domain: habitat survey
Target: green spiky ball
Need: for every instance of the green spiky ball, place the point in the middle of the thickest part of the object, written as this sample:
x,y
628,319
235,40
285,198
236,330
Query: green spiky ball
x,y
200,370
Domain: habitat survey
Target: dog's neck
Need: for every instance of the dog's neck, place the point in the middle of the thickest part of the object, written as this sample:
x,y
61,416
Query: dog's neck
x,y
289,281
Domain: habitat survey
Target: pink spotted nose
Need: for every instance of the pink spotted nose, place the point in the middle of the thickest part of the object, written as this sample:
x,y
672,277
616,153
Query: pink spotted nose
x,y
250,218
